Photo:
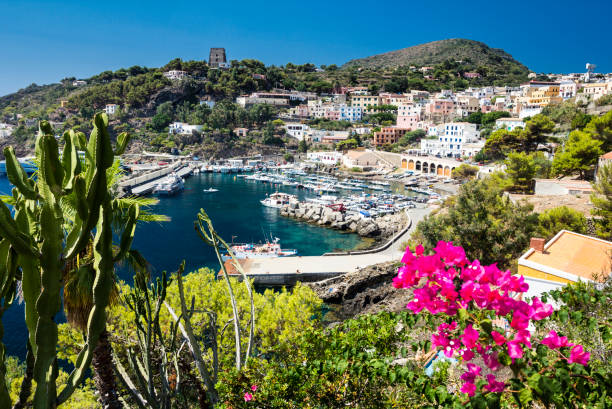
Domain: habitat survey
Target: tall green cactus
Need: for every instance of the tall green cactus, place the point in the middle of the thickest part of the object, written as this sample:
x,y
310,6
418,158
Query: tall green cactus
x,y
41,242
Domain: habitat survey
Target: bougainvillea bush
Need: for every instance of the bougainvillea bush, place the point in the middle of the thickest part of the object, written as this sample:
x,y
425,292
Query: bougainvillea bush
x,y
488,327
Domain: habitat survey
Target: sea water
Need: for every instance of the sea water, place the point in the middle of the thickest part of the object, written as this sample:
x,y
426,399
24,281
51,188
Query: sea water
x,y
237,215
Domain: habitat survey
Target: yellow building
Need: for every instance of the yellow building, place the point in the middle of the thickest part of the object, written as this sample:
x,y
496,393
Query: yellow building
x,y
567,258
543,96
365,101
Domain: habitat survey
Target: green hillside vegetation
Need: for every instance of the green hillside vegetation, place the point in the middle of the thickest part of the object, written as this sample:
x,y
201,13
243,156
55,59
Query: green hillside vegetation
x,y
461,55
141,91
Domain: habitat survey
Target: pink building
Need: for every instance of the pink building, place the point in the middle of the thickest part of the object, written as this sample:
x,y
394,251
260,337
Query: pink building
x,y
332,114
486,108
408,121
303,111
471,75
440,107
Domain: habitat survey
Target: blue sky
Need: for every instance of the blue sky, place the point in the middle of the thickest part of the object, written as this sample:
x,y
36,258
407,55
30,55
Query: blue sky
x,y
46,41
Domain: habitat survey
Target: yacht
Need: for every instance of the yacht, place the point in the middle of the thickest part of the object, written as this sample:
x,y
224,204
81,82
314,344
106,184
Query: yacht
x,y
169,185
278,200
266,250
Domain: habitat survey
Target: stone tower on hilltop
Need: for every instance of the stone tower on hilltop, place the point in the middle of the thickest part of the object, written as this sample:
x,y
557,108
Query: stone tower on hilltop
x,y
217,57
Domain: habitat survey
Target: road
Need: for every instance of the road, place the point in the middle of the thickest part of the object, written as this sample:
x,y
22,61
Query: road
x,y
333,264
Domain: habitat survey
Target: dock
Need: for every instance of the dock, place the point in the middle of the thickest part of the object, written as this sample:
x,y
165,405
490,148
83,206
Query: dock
x,y
144,184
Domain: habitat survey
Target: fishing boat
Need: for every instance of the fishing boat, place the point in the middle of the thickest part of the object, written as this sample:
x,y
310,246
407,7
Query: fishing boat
x,y
211,190
278,199
266,250
169,185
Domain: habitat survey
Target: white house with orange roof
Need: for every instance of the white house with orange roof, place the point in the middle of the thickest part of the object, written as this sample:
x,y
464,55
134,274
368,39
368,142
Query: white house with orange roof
x,y
566,258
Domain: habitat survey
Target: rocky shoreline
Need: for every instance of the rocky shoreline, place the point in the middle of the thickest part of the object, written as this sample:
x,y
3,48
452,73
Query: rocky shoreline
x,y
365,291
380,228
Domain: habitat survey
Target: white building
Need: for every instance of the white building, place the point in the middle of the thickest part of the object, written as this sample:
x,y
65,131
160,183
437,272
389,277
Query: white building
x,y
349,113
529,111
362,130
111,109
568,89
598,89
79,83
327,158
6,130
509,124
452,142
175,74
297,131
181,128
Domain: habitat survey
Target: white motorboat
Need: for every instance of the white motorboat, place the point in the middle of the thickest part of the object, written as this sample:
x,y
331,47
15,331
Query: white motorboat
x,y
169,185
278,200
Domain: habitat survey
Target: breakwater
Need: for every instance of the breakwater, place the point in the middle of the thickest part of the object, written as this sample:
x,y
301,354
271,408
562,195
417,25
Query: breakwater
x,y
381,227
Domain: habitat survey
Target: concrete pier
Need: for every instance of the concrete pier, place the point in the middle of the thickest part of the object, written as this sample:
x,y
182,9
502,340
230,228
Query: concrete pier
x,y
145,184
288,270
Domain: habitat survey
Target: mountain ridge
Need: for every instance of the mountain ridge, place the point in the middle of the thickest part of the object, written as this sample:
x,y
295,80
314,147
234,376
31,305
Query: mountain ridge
x,y
436,52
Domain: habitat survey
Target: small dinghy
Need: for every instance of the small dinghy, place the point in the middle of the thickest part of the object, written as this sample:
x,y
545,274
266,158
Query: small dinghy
x,y
211,190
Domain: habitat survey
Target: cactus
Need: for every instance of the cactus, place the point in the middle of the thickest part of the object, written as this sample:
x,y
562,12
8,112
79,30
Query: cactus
x,y
212,238
41,242
152,346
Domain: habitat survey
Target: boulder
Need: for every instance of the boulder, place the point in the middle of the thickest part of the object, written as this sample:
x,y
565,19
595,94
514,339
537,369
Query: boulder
x,y
368,229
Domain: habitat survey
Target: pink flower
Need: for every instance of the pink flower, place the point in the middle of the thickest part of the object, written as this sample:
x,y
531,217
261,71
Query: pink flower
x,y
248,397
514,349
498,338
540,310
467,355
468,388
419,250
523,336
491,361
554,341
519,320
472,372
254,388
469,337
493,385
579,356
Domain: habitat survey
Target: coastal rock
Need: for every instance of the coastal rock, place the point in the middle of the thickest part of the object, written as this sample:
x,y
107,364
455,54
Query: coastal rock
x,y
352,226
368,230
365,291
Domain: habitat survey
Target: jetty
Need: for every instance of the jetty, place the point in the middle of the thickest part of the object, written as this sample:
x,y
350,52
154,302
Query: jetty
x,y
286,271
144,184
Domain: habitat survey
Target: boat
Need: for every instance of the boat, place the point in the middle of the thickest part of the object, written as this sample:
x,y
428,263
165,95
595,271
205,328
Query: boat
x,y
169,185
211,190
266,250
278,200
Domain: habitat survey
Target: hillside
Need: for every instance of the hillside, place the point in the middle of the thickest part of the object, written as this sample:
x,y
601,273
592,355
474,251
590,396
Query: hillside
x,y
149,101
437,52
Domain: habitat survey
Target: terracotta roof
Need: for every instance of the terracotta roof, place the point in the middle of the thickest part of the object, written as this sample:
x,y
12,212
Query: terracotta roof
x,y
607,155
575,254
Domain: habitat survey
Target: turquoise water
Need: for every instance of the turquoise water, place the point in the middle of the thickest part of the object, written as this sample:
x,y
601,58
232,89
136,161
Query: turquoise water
x,y
235,211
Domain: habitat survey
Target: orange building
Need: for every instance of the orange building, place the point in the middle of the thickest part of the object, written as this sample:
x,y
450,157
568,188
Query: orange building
x,y
388,134
567,258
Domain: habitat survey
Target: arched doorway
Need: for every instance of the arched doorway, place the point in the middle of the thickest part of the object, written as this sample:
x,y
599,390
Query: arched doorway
x,y
417,165
425,167
447,171
440,170
404,164
410,164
